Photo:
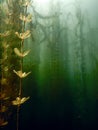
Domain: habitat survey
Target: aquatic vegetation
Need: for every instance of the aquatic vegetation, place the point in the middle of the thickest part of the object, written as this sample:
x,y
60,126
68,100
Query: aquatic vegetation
x,y
21,74
2,95
5,45
64,64
25,3
19,100
26,18
5,34
23,35
21,54
3,81
3,122
12,36
3,109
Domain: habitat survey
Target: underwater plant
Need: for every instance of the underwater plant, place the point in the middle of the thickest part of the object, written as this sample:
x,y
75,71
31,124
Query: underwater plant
x,y
19,100
13,33
21,54
4,84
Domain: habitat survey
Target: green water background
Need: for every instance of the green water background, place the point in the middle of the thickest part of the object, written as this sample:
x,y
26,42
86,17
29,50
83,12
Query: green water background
x,y
63,85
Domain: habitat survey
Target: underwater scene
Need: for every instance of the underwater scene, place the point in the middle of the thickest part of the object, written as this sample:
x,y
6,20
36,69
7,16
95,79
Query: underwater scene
x,y
48,64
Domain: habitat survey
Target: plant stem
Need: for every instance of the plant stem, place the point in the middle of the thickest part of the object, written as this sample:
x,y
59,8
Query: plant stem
x,y
21,68
17,118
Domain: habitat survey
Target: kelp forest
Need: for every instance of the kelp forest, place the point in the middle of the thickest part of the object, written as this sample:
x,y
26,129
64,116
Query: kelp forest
x,y
48,64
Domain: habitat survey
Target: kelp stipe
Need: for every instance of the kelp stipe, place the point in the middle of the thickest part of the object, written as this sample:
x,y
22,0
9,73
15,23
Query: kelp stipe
x,y
12,37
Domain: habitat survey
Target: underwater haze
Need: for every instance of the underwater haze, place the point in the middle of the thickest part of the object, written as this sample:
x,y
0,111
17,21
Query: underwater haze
x,y
63,61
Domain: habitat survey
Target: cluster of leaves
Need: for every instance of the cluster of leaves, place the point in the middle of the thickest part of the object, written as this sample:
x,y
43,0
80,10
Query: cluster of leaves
x,y
13,21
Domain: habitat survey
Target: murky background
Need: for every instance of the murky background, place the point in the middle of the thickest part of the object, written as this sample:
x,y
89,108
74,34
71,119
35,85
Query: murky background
x,y
63,60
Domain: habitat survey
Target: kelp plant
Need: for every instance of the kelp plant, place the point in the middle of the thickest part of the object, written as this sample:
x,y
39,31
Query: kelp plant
x,y
6,50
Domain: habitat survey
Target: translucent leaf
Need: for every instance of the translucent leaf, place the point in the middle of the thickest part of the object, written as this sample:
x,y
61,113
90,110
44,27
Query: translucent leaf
x,y
21,74
23,35
19,100
18,53
26,18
